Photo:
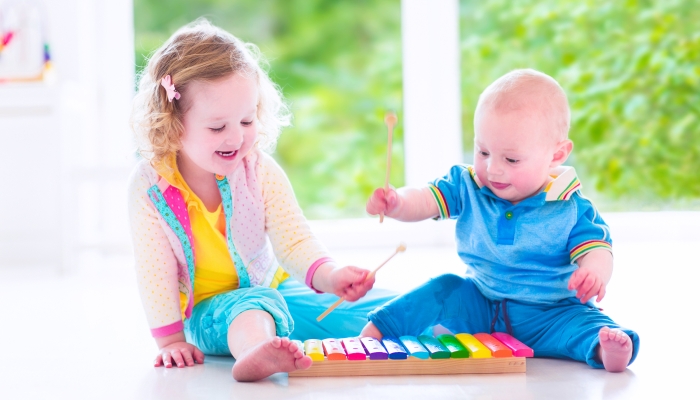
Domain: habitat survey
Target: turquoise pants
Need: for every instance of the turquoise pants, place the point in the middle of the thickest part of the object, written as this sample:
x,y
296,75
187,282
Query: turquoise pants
x,y
293,306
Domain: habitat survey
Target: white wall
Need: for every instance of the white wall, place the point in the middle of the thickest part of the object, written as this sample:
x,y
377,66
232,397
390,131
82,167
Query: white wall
x,y
29,176
58,138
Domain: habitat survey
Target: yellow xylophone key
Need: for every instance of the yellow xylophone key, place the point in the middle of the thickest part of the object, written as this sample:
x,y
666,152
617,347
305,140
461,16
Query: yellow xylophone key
x,y
314,349
475,347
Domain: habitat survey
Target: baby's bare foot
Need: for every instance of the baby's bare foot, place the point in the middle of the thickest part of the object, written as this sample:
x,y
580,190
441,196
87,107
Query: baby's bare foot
x,y
371,331
615,349
274,355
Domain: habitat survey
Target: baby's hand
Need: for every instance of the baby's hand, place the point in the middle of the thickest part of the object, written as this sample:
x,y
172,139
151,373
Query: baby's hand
x,y
182,353
383,202
350,282
588,282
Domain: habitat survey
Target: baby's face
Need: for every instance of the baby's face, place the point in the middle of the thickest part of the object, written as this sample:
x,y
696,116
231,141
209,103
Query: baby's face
x,y
512,153
220,126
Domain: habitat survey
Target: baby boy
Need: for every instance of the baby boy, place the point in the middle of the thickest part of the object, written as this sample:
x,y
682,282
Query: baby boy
x,y
537,251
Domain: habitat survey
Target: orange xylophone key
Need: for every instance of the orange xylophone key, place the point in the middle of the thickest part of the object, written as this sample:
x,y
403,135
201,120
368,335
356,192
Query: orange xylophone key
x,y
497,348
333,349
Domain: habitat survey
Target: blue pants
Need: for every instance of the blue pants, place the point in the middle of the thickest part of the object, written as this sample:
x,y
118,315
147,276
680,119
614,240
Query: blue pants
x,y
293,306
566,329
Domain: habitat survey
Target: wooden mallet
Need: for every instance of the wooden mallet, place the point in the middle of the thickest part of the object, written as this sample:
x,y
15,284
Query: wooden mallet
x,y
400,249
390,120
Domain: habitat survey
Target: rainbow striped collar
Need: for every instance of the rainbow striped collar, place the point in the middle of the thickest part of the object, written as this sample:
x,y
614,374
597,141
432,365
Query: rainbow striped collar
x,y
563,186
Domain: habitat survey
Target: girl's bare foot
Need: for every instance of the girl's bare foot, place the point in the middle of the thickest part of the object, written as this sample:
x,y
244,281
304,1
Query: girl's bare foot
x,y
615,349
271,356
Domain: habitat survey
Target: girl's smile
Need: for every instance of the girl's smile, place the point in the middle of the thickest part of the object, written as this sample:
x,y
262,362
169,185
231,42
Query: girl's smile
x,y
227,155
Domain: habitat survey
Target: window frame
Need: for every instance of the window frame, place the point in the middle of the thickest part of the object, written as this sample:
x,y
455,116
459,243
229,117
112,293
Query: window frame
x,y
432,126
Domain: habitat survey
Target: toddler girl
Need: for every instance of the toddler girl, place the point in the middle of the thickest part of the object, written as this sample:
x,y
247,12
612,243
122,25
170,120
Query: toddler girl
x,y
212,215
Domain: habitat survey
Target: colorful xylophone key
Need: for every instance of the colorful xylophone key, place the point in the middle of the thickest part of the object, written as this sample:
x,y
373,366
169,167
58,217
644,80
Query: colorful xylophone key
x,y
414,348
497,348
519,349
314,349
455,347
394,348
353,349
334,350
374,348
475,347
436,349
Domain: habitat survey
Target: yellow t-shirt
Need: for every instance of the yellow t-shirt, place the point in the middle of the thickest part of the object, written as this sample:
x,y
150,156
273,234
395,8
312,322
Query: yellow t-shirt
x,y
214,270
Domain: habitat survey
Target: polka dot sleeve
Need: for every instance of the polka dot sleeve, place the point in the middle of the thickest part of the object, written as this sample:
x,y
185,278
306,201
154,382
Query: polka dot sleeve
x,y
156,265
294,244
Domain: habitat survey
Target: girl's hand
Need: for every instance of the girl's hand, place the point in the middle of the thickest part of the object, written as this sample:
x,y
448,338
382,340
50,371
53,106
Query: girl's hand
x,y
181,353
382,201
350,282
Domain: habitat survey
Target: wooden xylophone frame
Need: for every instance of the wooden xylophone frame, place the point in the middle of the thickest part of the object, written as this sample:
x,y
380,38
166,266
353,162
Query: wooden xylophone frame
x,y
414,366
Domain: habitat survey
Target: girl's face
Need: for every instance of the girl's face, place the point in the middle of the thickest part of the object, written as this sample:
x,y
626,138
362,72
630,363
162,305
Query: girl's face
x,y
220,125
513,154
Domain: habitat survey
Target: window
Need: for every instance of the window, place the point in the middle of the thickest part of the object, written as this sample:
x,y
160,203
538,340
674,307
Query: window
x,y
630,72
339,66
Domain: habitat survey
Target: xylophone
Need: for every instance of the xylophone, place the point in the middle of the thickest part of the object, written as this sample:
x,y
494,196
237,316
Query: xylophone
x,y
463,353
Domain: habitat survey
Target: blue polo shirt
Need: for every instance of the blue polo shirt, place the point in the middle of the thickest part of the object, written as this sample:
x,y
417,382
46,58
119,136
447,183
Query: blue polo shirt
x,y
527,251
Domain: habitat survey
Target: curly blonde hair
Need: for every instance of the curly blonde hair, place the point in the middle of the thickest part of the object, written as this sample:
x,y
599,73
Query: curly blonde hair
x,y
199,51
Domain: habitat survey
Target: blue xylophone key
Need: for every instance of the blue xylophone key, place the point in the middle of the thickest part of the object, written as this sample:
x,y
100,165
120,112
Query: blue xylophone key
x,y
414,347
394,348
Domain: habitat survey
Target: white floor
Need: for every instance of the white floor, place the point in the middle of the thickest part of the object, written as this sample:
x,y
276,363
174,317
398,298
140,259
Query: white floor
x,y
83,335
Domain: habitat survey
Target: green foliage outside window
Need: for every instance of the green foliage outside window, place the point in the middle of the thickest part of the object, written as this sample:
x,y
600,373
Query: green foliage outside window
x,y
631,71
339,65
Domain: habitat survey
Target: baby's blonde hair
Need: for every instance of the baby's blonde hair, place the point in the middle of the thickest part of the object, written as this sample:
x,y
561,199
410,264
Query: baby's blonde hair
x,y
199,51
533,90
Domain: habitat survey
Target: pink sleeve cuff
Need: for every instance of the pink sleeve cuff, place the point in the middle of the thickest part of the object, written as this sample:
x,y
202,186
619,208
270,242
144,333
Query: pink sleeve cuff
x,y
312,271
168,329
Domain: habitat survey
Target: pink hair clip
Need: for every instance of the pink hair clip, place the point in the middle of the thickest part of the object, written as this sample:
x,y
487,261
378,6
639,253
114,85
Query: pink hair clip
x,y
169,86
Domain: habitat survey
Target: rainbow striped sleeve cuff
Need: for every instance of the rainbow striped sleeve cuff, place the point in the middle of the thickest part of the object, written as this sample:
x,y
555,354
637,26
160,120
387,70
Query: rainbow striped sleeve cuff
x,y
441,203
587,246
